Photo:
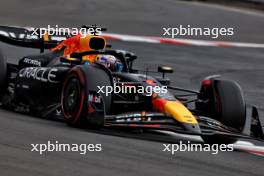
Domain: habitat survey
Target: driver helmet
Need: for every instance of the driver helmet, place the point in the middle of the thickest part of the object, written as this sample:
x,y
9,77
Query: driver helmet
x,y
110,62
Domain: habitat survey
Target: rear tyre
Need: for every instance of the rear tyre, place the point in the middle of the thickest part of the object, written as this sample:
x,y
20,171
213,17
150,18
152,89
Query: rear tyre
x,y
73,100
227,105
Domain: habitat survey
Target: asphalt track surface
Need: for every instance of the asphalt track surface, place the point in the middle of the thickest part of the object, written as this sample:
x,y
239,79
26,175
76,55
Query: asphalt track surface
x,y
134,153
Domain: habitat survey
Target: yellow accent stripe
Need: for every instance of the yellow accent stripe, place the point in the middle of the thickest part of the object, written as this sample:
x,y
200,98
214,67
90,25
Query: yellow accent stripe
x,y
179,112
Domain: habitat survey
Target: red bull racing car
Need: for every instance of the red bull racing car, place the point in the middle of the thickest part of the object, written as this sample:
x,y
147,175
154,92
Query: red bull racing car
x,y
87,84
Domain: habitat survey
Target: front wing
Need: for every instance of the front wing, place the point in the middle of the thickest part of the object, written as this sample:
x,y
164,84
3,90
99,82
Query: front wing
x,y
208,126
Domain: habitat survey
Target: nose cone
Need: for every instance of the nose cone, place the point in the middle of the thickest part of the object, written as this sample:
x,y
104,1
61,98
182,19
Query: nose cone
x,y
179,112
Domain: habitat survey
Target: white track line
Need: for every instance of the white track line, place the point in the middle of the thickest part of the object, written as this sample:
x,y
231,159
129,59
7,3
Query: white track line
x,y
177,41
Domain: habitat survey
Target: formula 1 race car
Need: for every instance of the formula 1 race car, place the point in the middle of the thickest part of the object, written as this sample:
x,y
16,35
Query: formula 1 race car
x,y
69,85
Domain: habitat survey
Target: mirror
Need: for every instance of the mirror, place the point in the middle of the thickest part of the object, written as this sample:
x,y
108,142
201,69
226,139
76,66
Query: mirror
x,y
165,69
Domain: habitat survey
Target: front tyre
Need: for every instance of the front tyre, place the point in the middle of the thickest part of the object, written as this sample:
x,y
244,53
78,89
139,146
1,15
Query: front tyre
x,y
225,102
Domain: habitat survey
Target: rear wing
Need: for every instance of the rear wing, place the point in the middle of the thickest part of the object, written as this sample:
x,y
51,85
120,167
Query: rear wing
x,y
26,37
30,37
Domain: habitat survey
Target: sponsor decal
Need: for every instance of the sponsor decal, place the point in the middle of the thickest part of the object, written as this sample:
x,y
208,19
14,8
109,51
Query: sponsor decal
x,y
94,98
31,61
17,35
39,73
135,117
27,35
